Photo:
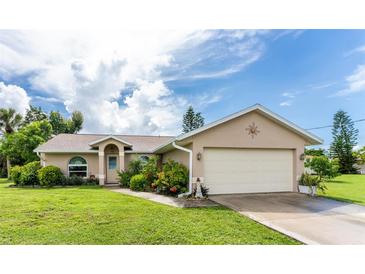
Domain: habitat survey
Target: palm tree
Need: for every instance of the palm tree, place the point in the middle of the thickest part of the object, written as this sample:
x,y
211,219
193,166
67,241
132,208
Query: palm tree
x,y
9,122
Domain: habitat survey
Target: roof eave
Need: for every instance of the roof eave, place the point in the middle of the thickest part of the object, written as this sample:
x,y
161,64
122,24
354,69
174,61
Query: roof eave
x,y
313,139
63,151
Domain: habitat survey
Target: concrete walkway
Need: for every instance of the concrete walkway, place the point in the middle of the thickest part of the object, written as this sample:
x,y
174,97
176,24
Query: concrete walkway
x,y
166,200
309,220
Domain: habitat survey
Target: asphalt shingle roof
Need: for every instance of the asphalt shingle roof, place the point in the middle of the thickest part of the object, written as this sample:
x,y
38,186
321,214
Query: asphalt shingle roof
x,y
80,142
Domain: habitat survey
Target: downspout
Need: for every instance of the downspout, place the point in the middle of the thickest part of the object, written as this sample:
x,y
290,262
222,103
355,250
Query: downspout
x,y
39,156
190,190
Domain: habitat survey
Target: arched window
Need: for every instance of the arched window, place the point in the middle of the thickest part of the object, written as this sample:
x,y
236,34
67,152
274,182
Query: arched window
x,y
144,158
77,167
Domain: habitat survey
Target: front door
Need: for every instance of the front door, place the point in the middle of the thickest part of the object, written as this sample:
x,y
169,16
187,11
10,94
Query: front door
x,y
111,168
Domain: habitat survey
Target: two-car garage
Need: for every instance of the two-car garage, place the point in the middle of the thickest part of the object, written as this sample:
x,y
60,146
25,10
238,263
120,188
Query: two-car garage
x,y
232,170
251,151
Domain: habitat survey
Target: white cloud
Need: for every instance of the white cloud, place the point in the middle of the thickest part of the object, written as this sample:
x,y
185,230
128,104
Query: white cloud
x,y
47,99
323,85
288,94
286,103
12,96
206,99
292,32
118,79
355,82
356,50
289,98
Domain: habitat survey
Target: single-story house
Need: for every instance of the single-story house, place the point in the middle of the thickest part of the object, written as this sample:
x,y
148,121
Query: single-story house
x,y
253,150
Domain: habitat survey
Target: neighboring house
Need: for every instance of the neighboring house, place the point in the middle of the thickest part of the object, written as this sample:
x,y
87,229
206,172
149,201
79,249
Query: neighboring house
x,y
360,168
254,150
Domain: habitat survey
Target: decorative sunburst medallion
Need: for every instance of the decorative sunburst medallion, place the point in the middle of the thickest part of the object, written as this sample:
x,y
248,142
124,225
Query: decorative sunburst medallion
x,y
253,130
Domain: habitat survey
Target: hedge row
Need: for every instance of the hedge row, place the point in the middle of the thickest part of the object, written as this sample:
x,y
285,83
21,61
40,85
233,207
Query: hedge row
x,y
32,174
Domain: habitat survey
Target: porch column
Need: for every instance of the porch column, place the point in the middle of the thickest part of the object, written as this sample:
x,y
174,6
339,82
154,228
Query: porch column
x,y
121,160
101,168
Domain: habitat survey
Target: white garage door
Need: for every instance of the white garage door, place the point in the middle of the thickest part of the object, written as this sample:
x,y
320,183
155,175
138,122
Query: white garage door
x,y
248,170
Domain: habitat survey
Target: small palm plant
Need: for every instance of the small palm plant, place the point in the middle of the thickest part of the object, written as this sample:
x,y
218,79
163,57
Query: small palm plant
x,y
9,120
313,182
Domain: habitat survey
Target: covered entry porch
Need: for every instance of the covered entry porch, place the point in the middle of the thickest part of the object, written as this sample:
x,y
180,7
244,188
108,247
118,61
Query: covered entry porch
x,y
111,158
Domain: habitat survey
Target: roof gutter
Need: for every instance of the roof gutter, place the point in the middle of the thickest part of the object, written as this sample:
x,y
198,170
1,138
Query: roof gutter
x,y
190,190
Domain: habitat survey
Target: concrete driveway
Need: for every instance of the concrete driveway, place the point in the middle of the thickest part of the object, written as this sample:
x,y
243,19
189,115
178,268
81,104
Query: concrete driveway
x,y
309,220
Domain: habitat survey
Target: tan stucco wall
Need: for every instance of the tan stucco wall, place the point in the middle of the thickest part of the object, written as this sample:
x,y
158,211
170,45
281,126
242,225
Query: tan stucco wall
x,y
62,159
178,155
232,134
134,156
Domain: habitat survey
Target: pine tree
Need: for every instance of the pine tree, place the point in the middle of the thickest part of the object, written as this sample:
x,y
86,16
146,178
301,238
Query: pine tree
x,y
199,120
192,120
344,139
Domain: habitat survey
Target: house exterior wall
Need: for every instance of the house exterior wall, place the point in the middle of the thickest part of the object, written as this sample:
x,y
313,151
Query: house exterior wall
x,y
62,159
134,156
233,134
179,156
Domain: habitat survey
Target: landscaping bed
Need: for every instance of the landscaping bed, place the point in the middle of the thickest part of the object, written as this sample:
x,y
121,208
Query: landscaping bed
x,y
169,178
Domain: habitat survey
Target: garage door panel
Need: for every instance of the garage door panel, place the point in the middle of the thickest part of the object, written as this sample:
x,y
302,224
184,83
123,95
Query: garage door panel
x,y
248,170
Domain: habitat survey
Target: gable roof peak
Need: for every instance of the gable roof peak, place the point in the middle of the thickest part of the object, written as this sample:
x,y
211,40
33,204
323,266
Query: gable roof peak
x,y
98,141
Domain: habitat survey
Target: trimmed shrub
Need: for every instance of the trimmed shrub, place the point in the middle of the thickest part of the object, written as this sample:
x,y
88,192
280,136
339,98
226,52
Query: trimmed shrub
x,y
50,176
134,167
74,181
173,179
91,181
15,173
29,174
138,182
79,181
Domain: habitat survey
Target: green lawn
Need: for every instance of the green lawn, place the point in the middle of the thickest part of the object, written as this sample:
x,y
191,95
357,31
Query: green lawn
x,y
92,215
348,188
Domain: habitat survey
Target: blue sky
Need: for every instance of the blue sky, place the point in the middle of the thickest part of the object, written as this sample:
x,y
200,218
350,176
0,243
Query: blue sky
x,y
141,82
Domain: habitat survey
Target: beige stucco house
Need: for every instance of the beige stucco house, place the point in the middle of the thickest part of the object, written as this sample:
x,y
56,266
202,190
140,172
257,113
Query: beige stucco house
x,y
254,150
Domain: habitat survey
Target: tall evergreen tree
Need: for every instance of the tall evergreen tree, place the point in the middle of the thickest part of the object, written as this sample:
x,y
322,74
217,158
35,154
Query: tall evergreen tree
x,y
344,139
199,120
192,120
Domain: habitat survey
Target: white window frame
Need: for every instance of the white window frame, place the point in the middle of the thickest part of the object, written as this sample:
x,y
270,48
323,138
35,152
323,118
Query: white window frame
x,y
144,155
87,166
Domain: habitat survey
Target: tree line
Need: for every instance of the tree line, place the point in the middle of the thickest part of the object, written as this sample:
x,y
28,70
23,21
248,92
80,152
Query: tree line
x,y
341,151
21,135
